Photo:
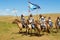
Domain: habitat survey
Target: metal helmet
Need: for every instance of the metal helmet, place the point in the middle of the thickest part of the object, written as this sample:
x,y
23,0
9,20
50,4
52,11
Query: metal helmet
x,y
30,15
40,15
49,17
22,15
58,18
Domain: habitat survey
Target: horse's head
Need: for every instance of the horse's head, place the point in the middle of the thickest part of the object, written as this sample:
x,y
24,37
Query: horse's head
x,y
15,21
57,18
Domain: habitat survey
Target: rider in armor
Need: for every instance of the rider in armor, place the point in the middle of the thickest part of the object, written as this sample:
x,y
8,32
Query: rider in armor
x,y
42,21
50,22
31,20
23,20
58,21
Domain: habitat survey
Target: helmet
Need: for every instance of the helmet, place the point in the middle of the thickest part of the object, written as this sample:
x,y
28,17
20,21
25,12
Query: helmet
x,y
30,15
22,15
40,15
49,17
57,17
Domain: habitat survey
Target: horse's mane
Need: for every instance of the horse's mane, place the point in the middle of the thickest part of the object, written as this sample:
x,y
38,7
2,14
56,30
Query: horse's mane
x,y
37,22
27,21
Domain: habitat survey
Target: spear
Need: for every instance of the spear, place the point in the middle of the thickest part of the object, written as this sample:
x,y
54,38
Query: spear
x,y
15,11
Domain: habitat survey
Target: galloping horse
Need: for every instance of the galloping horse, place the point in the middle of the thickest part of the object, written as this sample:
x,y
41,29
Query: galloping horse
x,y
45,27
40,28
50,25
37,25
19,24
43,23
50,22
29,26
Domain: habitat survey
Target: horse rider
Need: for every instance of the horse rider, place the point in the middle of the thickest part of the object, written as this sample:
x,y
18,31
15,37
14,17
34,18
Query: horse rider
x,y
31,20
50,22
58,21
23,20
42,21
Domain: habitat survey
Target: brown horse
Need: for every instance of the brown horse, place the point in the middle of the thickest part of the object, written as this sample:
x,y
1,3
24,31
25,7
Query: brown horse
x,y
50,26
29,28
37,25
46,27
57,23
19,24
39,28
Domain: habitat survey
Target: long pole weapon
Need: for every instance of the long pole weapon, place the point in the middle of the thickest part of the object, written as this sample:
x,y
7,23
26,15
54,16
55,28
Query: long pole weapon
x,y
14,10
28,8
37,14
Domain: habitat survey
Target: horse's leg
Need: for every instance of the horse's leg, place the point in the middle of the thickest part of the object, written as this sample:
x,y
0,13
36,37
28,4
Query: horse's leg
x,y
26,29
57,28
20,30
39,32
35,30
30,31
39,29
29,27
48,28
26,26
20,27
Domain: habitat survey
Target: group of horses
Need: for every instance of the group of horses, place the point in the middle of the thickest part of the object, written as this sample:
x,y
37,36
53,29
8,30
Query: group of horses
x,y
37,27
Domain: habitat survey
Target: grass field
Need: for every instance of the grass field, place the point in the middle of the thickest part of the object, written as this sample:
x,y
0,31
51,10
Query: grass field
x,y
9,31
